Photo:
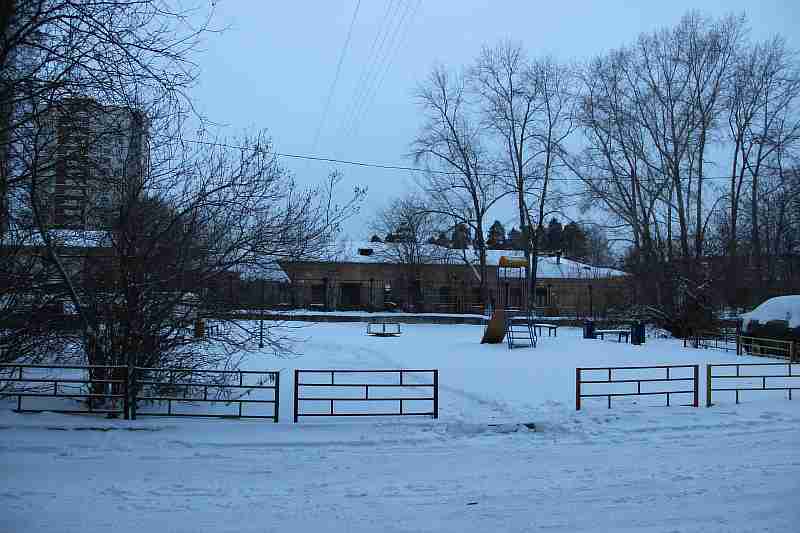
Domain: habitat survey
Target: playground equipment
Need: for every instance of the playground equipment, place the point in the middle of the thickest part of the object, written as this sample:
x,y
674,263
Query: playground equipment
x,y
511,318
520,331
378,328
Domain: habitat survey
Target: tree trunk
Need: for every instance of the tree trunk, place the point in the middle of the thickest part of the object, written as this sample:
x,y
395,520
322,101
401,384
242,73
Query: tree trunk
x,y
7,9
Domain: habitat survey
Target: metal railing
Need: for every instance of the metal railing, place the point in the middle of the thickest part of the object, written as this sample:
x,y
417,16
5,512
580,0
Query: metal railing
x,y
382,328
715,340
668,378
99,389
330,392
759,346
179,386
749,378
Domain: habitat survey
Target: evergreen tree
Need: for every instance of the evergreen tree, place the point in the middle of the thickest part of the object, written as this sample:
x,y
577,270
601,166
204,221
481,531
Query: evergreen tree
x,y
574,241
497,236
553,236
461,237
515,240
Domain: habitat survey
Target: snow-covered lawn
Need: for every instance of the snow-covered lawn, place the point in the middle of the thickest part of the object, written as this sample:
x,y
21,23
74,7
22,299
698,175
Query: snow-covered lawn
x,y
636,467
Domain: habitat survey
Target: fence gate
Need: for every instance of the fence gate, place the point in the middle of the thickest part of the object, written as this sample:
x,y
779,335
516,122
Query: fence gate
x,y
366,393
118,390
87,389
621,379
731,378
224,393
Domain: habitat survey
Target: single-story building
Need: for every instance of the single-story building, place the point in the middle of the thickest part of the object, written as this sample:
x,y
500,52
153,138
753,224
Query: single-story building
x,y
431,278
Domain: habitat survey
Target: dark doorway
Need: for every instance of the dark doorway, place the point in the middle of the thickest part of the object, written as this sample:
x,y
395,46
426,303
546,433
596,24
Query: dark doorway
x,y
541,297
318,294
350,295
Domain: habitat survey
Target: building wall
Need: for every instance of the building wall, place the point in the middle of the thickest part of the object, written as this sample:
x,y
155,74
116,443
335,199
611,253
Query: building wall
x,y
441,288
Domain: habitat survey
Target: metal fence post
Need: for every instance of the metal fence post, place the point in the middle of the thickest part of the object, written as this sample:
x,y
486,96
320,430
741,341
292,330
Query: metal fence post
x,y
296,390
126,399
436,393
577,389
696,386
708,385
277,396
133,392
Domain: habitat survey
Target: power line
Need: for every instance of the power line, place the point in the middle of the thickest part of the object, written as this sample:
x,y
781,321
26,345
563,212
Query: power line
x,y
387,166
389,64
379,73
361,87
335,77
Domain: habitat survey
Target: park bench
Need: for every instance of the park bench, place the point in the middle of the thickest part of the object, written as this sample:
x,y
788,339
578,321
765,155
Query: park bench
x,y
552,329
620,332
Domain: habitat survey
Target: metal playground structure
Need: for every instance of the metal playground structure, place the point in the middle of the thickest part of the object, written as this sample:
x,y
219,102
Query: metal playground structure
x,y
512,317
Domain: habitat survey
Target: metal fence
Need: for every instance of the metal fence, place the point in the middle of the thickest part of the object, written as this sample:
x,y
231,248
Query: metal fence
x,y
610,379
749,381
361,390
118,391
221,390
89,389
766,347
725,340
383,328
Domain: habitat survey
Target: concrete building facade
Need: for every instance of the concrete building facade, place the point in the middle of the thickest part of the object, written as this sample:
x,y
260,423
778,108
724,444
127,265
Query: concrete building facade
x,y
93,155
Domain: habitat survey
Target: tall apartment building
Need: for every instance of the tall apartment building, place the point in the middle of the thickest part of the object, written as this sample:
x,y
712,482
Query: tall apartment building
x,y
94,154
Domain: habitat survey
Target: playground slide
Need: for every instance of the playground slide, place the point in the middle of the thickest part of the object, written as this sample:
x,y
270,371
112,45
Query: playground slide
x,y
496,329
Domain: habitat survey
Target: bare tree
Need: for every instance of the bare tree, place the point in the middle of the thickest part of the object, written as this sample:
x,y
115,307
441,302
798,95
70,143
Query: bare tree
x,y
170,217
461,186
650,113
529,105
619,168
411,228
554,122
763,128
501,78
656,116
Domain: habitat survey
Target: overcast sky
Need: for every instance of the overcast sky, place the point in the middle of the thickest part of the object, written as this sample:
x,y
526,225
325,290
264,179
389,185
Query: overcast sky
x,y
274,66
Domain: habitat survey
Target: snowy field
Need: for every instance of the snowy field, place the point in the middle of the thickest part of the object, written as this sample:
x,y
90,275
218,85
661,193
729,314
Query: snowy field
x,y
637,467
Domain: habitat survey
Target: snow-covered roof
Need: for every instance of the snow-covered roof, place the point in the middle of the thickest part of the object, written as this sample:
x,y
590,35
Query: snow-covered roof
x,y
564,268
347,251
269,271
780,308
552,267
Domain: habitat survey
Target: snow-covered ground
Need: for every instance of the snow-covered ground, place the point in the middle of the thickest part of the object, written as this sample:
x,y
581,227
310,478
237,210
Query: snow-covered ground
x,y
636,467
